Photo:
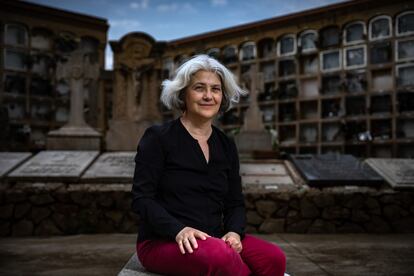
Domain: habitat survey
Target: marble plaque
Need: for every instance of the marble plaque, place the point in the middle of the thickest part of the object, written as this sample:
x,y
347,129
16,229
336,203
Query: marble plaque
x,y
112,166
335,170
263,175
262,169
399,173
10,160
267,180
55,166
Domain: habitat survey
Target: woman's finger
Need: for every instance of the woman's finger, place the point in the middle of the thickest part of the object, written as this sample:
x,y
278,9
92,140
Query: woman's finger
x,y
187,246
193,242
180,245
201,235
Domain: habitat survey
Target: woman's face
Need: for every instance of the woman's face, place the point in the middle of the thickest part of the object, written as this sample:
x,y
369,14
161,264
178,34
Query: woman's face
x,y
204,95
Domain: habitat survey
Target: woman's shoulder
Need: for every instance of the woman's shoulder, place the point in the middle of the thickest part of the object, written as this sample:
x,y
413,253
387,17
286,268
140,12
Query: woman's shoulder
x,y
160,130
228,142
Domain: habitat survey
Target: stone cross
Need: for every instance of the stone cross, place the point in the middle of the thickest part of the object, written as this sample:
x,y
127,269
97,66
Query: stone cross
x,y
78,69
253,116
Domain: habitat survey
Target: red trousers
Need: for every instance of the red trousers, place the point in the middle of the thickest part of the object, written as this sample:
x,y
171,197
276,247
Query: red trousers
x,y
213,257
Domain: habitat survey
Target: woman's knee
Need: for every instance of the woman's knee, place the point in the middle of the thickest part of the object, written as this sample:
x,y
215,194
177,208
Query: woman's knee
x,y
275,261
219,257
279,256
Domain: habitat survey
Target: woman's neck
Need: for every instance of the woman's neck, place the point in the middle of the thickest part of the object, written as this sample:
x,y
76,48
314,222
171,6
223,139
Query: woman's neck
x,y
199,129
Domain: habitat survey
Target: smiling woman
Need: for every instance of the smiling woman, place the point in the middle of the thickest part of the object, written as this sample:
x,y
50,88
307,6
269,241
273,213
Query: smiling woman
x,y
187,187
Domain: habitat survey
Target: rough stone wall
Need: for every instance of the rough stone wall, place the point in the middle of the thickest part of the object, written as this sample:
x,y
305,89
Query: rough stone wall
x,y
331,210
55,209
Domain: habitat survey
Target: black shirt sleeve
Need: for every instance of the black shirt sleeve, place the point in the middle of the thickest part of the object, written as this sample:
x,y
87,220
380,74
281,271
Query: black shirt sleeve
x,y
149,166
234,209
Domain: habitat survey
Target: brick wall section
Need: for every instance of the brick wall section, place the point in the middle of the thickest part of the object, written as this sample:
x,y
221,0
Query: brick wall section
x,y
58,209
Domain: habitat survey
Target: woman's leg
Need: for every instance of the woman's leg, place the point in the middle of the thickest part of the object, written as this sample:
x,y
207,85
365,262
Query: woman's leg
x,y
262,257
212,257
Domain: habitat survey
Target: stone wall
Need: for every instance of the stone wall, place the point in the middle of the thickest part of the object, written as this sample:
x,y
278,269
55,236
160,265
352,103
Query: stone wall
x,y
331,210
55,209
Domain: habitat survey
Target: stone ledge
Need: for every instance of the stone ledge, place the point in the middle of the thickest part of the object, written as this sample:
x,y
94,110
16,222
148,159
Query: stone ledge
x,y
134,268
74,208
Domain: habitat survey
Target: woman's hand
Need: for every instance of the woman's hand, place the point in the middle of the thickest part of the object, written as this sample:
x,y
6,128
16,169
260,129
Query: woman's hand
x,y
187,239
233,239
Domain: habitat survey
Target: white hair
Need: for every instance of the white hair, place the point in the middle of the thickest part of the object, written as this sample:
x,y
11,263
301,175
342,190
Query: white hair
x,y
172,95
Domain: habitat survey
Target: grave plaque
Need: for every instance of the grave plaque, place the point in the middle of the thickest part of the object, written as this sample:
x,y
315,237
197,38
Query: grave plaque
x,y
398,172
112,167
335,170
10,160
55,166
262,169
265,175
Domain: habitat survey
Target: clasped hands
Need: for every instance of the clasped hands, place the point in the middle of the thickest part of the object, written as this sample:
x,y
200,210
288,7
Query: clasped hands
x,y
187,240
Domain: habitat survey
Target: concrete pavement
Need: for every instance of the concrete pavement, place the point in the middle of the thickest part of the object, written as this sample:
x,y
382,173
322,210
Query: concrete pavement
x,y
307,254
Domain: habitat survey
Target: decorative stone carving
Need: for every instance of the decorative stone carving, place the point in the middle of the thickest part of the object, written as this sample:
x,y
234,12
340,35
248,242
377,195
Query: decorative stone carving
x,y
253,136
136,82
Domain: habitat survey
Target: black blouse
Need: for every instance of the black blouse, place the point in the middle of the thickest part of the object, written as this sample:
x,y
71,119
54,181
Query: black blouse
x,y
174,186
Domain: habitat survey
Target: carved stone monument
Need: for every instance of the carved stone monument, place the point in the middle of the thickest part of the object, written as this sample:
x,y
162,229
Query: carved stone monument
x,y
111,167
10,160
335,170
136,91
54,166
76,134
398,172
253,135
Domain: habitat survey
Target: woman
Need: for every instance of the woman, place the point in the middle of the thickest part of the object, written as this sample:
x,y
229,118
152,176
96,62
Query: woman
x,y
187,188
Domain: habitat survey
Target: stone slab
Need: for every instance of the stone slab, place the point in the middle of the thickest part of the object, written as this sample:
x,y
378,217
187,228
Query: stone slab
x,y
267,180
111,167
265,175
10,160
55,166
398,172
134,268
262,169
335,170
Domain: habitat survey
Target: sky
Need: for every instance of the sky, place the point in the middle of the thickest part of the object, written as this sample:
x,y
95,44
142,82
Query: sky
x,y
172,19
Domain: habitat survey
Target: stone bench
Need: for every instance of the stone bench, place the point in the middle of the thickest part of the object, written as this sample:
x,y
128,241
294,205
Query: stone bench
x,y
134,268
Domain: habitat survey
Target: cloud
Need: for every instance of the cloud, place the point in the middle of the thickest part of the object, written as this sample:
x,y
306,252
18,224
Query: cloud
x,y
218,3
139,5
174,7
167,7
125,23
188,8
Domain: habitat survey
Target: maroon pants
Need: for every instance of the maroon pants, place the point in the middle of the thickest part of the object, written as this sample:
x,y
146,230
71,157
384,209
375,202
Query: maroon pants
x,y
213,257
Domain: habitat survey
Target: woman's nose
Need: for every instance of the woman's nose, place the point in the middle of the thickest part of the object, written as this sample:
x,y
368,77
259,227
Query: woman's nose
x,y
208,94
